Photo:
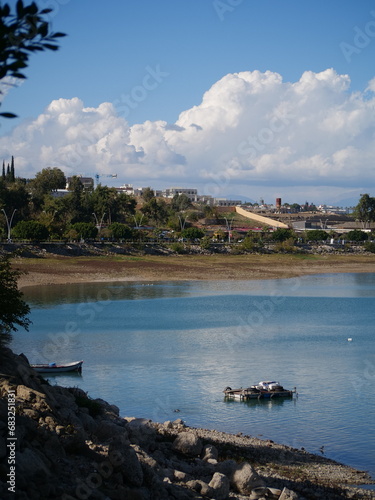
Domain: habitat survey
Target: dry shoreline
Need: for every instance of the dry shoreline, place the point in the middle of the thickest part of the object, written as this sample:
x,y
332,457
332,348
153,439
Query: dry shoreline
x,y
65,270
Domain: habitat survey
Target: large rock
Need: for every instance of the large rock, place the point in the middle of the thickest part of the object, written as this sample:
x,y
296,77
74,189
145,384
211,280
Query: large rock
x,y
131,469
30,395
188,443
209,453
31,467
287,494
220,486
200,487
227,467
141,432
126,460
244,479
107,429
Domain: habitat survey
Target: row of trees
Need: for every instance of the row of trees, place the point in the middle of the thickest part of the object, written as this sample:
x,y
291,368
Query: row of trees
x,y
33,201
35,212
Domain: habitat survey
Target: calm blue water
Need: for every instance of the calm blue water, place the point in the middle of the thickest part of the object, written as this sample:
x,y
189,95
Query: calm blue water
x,y
152,348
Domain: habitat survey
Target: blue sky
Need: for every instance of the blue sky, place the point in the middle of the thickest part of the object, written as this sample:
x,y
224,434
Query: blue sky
x,y
114,50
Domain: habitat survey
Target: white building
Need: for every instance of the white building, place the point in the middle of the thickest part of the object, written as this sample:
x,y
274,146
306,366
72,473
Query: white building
x,y
223,202
191,193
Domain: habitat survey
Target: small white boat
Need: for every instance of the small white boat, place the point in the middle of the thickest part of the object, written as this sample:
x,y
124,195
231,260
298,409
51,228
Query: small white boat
x,y
76,366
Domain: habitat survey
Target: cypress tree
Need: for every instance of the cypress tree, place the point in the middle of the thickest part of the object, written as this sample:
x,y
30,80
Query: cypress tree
x,y
8,173
3,174
12,176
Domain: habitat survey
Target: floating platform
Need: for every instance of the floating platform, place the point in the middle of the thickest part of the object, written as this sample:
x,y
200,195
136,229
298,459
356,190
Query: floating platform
x,y
264,390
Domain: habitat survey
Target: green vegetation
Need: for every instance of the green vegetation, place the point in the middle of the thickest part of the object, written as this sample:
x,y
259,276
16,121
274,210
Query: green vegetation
x,y
13,310
365,210
121,231
22,33
31,230
370,246
282,234
178,247
192,233
316,235
93,406
31,210
356,235
286,246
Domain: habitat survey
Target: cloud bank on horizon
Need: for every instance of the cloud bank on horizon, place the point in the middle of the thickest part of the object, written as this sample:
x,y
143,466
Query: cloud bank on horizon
x,y
251,135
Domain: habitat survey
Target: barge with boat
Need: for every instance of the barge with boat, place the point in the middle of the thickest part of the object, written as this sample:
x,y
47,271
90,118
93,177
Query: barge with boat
x,y
262,390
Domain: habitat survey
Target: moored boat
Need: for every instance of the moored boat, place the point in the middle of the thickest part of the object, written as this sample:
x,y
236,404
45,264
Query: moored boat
x,y
262,390
76,366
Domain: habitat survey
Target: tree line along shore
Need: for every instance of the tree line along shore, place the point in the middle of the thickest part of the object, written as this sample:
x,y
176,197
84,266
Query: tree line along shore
x,y
36,209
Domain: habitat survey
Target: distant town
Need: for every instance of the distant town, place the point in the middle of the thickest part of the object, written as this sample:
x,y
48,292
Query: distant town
x,y
194,197
52,206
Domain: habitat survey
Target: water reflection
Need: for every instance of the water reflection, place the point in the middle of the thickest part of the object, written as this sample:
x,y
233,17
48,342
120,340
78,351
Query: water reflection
x,y
46,296
325,285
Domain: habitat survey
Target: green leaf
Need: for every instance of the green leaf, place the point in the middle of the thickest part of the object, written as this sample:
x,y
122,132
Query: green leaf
x,y
8,115
43,29
50,47
20,9
31,9
5,10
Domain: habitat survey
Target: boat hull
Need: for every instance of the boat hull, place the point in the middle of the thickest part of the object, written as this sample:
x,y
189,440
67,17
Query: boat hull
x,y
63,368
245,395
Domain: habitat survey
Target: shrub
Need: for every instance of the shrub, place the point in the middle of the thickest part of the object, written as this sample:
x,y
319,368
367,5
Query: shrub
x,y
286,246
370,246
248,244
30,230
356,235
178,247
317,235
86,230
282,234
192,233
205,243
120,231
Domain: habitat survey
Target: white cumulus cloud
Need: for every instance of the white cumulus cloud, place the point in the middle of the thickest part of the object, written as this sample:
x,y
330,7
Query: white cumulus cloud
x,y
253,134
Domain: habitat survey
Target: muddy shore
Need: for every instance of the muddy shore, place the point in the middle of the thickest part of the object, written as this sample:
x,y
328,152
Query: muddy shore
x,y
53,269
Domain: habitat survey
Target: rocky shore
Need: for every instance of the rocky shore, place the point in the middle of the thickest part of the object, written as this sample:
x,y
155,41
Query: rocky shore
x,y
69,446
